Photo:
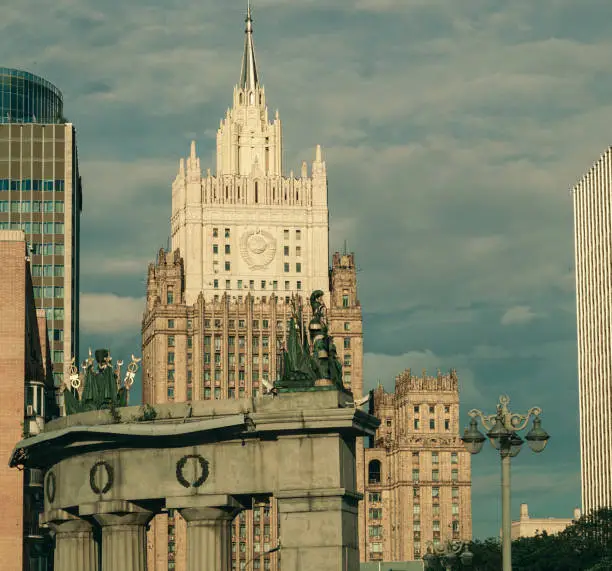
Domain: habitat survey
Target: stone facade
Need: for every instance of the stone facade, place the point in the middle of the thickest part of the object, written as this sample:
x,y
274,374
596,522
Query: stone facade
x,y
528,526
244,242
26,400
417,474
208,461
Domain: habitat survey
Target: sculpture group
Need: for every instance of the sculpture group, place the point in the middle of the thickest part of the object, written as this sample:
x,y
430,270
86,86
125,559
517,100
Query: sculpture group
x,y
310,357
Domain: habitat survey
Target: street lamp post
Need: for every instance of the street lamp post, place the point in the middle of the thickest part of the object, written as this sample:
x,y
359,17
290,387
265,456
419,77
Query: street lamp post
x,y
448,553
503,429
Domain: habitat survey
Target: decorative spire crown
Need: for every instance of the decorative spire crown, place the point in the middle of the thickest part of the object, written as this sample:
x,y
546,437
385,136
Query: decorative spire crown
x,y
248,74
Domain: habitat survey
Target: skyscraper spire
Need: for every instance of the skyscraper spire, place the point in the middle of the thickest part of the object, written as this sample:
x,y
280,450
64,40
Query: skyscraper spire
x,y
248,75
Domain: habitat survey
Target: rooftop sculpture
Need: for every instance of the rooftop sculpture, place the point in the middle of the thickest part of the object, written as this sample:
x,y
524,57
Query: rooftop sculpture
x,y
309,362
101,388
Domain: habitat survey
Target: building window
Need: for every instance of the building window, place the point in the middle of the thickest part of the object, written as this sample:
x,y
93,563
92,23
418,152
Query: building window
x,y
58,356
345,300
171,375
215,248
447,410
170,357
286,285
216,284
416,509
454,458
435,475
347,342
170,340
298,251
251,284
447,424
170,323
298,234
227,266
375,497
435,458
298,267
435,492
388,422
454,475
286,250
227,232
347,326
347,379
455,492
228,284
416,409
299,285
228,249
417,424
286,266
432,409
58,335
347,360
286,234
375,513
374,468
375,530
455,509
415,475
170,295
263,284
432,424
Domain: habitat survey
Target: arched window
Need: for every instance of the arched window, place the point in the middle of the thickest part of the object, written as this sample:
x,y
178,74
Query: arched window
x,y
374,472
256,192
241,98
226,192
251,98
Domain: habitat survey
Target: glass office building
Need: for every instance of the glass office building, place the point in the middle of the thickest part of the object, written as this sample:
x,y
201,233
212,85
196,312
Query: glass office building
x,y
27,98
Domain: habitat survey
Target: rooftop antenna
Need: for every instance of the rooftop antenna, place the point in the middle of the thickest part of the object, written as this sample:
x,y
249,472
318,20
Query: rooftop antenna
x,y
345,247
168,244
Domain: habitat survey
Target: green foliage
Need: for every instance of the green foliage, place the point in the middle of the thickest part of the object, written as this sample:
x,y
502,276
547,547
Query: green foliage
x,y
586,545
147,413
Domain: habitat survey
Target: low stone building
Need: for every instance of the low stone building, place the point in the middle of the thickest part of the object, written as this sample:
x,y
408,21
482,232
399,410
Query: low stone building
x,y
528,526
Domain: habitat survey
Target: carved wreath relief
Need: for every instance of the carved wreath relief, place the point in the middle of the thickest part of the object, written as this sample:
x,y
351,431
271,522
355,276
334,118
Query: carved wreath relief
x,y
257,248
192,471
101,477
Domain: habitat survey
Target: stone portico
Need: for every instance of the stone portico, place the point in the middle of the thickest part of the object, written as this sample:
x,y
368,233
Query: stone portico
x,y
108,475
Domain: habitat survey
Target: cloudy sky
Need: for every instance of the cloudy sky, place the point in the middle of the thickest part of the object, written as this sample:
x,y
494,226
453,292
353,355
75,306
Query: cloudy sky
x,y
452,131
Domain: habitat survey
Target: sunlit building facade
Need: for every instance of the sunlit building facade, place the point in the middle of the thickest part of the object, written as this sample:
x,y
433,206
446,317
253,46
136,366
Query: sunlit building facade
x,y
246,241
592,198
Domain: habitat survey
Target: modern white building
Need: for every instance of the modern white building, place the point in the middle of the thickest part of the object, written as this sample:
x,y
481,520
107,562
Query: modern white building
x,y
593,247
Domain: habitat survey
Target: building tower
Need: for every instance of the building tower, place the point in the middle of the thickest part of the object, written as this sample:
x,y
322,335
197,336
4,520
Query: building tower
x,y
245,240
593,246
417,474
40,193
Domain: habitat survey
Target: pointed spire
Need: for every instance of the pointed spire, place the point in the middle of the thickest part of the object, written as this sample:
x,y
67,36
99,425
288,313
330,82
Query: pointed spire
x,y
248,75
193,150
318,154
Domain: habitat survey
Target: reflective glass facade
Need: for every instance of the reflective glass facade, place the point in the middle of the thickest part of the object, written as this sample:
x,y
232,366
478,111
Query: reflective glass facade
x,y
27,98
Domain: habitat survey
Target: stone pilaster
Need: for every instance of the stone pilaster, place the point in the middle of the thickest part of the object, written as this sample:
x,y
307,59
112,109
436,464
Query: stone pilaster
x,y
75,547
124,534
209,532
318,530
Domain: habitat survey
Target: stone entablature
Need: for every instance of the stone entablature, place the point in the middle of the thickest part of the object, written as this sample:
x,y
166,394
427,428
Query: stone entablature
x,y
203,459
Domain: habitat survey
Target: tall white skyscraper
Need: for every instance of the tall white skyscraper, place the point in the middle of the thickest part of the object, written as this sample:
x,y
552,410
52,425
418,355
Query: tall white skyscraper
x,y
593,246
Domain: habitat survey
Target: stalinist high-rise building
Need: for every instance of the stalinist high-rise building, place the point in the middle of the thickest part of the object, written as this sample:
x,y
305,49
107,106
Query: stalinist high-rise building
x,y
245,240
593,247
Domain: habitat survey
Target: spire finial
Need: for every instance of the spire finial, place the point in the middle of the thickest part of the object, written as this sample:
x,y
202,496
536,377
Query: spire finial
x,y
248,75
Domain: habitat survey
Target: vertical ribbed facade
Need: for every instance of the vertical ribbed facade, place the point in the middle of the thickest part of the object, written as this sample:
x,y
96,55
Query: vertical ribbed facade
x,y
593,242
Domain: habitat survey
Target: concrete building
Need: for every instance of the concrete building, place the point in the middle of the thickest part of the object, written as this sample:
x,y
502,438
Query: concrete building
x,y
244,242
528,526
27,398
418,473
593,247
40,193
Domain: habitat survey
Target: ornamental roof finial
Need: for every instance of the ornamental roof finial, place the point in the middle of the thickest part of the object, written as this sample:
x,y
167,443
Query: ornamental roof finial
x,y
248,74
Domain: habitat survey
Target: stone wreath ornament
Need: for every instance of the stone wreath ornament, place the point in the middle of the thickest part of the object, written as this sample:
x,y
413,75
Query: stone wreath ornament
x,y
109,477
180,471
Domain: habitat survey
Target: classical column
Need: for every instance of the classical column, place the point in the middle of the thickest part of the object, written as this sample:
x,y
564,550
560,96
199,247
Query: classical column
x,y
75,547
318,530
209,532
124,534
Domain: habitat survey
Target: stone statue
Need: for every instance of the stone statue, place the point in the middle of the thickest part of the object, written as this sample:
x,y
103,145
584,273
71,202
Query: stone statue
x,y
309,362
98,389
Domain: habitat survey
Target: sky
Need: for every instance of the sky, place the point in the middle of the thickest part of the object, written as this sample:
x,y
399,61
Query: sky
x,y
452,131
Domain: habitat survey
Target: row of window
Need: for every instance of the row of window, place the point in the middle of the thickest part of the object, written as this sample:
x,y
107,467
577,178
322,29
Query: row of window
x,y
54,313
375,469
32,184
263,283
432,409
47,249
48,292
47,271
48,228
27,206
